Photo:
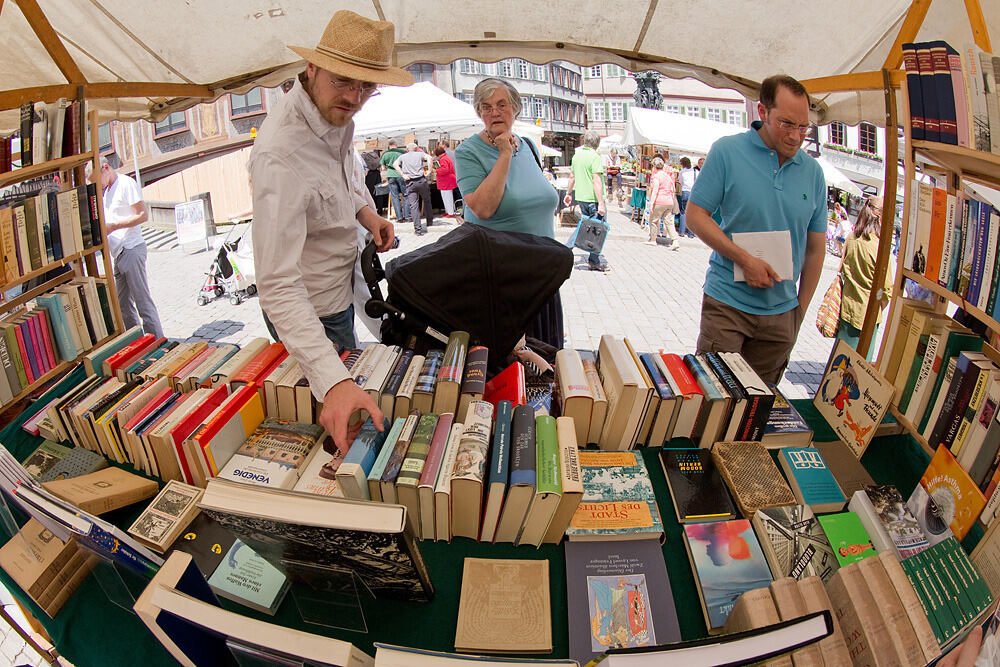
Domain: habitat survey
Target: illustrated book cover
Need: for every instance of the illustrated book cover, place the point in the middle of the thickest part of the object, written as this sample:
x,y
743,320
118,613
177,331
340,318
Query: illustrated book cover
x,y
811,480
785,426
957,497
794,543
618,500
848,537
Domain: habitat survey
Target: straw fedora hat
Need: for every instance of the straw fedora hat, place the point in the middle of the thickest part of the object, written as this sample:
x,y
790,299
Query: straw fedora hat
x,y
358,48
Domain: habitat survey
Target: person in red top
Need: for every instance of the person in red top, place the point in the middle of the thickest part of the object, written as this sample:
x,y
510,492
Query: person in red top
x,y
446,181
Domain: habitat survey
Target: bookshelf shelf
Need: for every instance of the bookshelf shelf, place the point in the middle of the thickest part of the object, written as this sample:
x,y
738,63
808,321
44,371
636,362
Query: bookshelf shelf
x,y
35,170
978,165
59,368
945,293
50,267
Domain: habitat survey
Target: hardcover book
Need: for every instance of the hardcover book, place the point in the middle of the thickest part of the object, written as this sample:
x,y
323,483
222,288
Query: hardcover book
x,y
794,543
174,507
812,482
727,561
469,473
504,607
851,476
847,536
785,426
696,488
619,596
523,475
206,541
618,500
752,476
319,472
957,497
852,397
44,457
104,490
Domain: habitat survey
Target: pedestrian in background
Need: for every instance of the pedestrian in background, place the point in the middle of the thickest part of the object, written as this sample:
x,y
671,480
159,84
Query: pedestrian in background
x,y
660,203
413,166
446,182
397,186
586,186
857,274
685,179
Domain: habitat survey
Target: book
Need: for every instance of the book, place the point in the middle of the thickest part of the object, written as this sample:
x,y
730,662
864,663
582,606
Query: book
x,y
274,453
548,488
790,605
864,629
755,609
716,405
504,607
851,476
618,501
423,391
575,398
618,596
319,472
413,465
352,473
442,486
852,397
523,474
378,467
600,406
394,461
449,375
473,379
811,481
912,606
245,577
174,507
571,481
387,401
696,488
403,398
759,397
894,616
206,541
103,490
753,479
957,498
785,426
794,543
499,472
691,395
305,535
661,416
815,598
469,473
727,560
627,394
507,385
44,457
430,474
847,537
888,522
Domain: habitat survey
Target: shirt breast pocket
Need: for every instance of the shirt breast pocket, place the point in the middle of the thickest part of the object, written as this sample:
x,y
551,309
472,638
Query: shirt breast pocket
x,y
333,208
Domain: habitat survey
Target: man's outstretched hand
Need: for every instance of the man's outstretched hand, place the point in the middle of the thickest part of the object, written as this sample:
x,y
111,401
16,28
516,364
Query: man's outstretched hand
x,y
340,404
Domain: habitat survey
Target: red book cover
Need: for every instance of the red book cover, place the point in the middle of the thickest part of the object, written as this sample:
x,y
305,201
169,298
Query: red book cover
x,y
681,374
939,215
128,353
232,406
187,425
507,385
156,402
46,329
257,369
23,350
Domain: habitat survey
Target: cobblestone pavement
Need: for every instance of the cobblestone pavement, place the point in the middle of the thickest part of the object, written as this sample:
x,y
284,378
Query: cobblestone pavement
x,y
651,294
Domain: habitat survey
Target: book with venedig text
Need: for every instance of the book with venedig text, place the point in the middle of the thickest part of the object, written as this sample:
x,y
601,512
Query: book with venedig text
x,y
852,397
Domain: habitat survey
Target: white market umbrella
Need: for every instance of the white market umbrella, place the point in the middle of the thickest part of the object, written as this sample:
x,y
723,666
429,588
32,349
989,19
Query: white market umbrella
x,y
685,134
838,179
548,151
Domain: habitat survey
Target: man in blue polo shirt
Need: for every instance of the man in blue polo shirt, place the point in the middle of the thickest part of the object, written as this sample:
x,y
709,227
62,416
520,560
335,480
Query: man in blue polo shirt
x,y
761,181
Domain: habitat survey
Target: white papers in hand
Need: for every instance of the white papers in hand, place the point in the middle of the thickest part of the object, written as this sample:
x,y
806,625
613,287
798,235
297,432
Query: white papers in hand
x,y
775,248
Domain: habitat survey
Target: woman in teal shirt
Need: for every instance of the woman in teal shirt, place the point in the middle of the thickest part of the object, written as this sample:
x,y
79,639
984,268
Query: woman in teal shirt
x,y
503,186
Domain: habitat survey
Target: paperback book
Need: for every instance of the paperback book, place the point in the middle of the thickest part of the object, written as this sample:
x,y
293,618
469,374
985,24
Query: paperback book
x,y
696,488
618,500
794,543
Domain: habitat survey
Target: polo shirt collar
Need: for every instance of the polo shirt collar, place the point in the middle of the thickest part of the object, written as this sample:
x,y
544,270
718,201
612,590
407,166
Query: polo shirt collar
x,y
320,126
759,143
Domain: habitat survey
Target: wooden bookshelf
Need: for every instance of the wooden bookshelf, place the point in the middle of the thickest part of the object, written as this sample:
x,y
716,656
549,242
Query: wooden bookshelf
x,y
50,267
970,164
911,428
35,170
948,295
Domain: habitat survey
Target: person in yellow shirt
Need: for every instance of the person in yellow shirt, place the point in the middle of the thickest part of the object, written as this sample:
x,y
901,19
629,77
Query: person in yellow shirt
x,y
857,273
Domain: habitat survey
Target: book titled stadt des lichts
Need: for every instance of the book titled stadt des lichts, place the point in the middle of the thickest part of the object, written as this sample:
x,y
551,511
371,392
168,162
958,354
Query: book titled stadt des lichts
x,y
618,499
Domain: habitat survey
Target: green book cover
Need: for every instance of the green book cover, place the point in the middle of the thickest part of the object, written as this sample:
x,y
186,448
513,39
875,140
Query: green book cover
x,y
416,454
848,537
958,341
926,598
15,353
44,457
245,577
982,591
944,611
547,453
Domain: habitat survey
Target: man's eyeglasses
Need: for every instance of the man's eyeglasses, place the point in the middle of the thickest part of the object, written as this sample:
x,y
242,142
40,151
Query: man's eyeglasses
x,y
789,126
486,109
364,87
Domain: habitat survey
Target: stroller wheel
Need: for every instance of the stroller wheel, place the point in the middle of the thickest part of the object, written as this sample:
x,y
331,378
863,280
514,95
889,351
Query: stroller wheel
x,y
251,290
235,299
202,300
219,291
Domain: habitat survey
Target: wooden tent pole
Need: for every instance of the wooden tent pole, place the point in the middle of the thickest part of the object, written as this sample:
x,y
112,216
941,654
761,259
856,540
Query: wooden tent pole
x,y
888,218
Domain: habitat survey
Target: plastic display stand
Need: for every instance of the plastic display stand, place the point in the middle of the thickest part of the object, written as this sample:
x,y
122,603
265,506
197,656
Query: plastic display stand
x,y
251,655
121,585
326,596
10,525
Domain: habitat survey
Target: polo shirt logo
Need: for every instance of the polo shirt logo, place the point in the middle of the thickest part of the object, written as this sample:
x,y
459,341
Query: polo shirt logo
x,y
804,196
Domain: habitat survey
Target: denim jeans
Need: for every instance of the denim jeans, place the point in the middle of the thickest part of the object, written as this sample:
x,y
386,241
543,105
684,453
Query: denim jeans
x,y
397,188
589,209
339,328
682,202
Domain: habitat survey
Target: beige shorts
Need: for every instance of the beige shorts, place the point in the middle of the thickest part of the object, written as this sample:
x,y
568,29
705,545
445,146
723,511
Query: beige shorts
x,y
765,341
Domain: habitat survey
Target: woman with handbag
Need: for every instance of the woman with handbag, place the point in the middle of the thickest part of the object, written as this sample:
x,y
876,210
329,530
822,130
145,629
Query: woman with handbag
x,y
501,180
661,202
857,274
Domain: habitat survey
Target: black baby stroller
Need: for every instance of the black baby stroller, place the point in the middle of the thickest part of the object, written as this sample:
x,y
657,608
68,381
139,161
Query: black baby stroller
x,y
489,283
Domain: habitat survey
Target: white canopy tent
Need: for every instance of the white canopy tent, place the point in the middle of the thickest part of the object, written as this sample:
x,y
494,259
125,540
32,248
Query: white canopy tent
x,y
685,134
143,60
837,178
422,109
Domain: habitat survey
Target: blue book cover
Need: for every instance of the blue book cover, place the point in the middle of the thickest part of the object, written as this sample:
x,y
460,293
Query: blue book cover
x,y
656,375
618,500
811,480
913,91
522,447
375,474
244,576
972,248
727,561
52,303
982,238
367,446
500,457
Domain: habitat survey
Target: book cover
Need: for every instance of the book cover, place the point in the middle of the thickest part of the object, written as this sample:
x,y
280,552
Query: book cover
x,y
469,473
810,479
499,470
412,467
79,461
174,507
727,561
504,607
206,541
618,500
352,473
523,474
571,481
785,426
423,392
319,473
245,577
928,515
889,524
794,543
548,483
44,457
752,477
955,495
619,596
474,378
507,385
600,408
429,476
696,488
852,397
847,536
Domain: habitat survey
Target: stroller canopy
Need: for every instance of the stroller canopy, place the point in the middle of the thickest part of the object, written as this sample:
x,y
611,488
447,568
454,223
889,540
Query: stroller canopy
x,y
489,283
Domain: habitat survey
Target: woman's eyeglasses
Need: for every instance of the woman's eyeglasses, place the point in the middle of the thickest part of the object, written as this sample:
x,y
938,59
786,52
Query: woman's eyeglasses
x,y
486,109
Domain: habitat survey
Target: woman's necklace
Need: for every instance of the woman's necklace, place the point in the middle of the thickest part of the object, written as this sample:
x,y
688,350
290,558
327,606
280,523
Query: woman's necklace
x,y
489,138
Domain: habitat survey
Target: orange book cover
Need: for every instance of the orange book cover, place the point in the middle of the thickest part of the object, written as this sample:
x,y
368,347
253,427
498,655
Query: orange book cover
x,y
257,370
956,495
939,220
248,407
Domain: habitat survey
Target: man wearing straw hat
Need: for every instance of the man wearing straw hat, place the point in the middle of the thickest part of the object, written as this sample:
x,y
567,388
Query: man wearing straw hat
x,y
306,214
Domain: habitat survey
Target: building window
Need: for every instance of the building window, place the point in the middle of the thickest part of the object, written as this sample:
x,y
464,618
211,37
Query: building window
x,y
597,111
525,108
869,139
838,133
538,73
537,108
714,114
104,138
489,69
617,111
241,105
172,123
467,97
505,68
693,111
467,66
672,108
521,70
594,72
421,72
736,118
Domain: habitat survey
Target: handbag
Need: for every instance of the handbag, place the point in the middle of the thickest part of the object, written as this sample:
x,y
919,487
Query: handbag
x,y
828,318
591,234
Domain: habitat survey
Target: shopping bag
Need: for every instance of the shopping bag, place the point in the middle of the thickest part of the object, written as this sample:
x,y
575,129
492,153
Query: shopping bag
x,y
591,234
828,318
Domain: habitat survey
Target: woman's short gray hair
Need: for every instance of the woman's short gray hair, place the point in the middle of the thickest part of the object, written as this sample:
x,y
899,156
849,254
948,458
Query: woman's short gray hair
x,y
658,163
485,89
592,139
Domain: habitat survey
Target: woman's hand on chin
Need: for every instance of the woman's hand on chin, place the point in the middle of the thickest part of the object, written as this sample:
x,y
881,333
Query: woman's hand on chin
x,y
505,142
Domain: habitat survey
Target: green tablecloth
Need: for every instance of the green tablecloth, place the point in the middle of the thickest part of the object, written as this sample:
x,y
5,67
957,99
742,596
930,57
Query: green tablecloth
x,y
90,630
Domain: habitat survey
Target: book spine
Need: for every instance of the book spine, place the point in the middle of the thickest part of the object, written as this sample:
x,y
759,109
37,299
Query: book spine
x,y
453,363
959,95
547,455
27,118
913,92
474,379
947,121
95,220
416,453
928,91
522,450
83,206
939,215
944,417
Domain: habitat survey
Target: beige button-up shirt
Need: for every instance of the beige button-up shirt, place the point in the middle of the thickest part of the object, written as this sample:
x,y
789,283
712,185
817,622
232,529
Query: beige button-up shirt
x,y
305,230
